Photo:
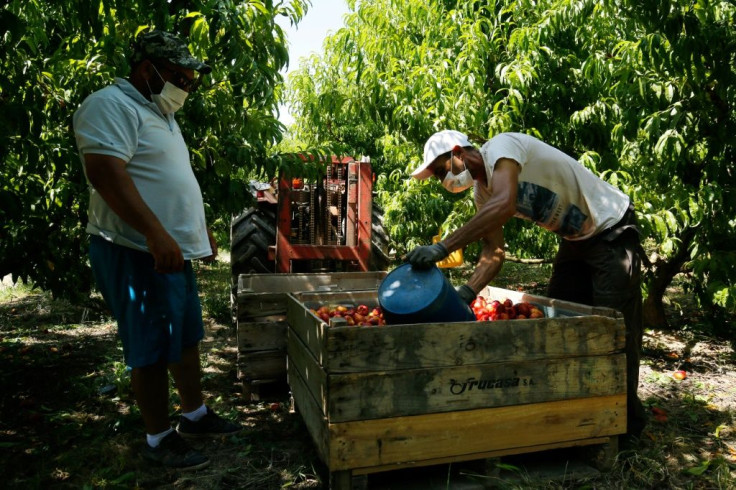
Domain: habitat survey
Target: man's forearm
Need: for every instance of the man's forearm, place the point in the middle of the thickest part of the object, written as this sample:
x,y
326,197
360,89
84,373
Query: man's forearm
x,y
490,217
489,265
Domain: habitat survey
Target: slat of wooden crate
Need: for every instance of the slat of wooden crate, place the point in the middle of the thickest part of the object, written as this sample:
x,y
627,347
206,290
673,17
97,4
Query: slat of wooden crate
x,y
313,300
371,443
309,281
481,455
381,394
257,305
302,361
268,335
306,326
356,349
310,411
262,365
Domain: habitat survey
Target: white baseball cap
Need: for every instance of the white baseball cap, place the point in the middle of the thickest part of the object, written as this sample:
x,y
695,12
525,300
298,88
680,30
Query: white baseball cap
x,y
437,144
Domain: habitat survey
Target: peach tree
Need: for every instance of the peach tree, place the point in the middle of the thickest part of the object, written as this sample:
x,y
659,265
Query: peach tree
x,y
53,54
641,92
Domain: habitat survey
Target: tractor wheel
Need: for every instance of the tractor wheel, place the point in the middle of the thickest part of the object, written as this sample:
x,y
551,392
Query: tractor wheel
x,y
380,246
251,234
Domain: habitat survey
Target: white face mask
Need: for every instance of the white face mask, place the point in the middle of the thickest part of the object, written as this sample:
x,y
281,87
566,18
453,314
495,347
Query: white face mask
x,y
457,183
171,98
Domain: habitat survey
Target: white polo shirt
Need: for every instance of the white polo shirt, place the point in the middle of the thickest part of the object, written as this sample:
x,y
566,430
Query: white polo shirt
x,y
119,121
555,191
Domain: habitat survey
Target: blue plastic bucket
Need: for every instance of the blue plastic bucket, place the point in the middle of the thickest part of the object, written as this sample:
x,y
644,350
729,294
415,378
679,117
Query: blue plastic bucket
x,y
409,295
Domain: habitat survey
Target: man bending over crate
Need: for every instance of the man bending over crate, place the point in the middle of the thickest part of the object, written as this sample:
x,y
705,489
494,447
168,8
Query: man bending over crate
x,y
517,175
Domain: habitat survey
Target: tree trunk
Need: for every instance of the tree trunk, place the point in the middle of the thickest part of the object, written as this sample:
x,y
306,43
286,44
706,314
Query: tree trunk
x,y
662,274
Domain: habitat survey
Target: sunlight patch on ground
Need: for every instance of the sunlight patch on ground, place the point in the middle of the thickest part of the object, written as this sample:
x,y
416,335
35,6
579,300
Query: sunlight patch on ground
x,y
10,291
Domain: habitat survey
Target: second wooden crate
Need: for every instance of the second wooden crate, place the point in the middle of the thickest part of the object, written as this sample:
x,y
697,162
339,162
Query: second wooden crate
x,y
261,319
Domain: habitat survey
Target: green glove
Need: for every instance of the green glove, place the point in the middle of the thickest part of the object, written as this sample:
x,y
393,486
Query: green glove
x,y
424,257
466,293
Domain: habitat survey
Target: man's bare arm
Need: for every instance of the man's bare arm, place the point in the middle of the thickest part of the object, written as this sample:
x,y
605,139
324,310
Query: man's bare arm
x,y
108,176
494,213
490,261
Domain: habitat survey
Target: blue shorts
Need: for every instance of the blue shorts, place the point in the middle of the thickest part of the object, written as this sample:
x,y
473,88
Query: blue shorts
x,y
158,314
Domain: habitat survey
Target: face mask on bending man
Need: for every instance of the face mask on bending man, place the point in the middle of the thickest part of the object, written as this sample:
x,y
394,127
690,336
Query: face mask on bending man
x,y
457,183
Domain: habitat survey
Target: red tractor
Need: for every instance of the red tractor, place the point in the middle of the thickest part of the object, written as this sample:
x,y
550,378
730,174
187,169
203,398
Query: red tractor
x,y
322,224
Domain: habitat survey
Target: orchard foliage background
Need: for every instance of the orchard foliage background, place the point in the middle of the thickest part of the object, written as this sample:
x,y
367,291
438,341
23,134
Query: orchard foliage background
x,y
641,91
53,54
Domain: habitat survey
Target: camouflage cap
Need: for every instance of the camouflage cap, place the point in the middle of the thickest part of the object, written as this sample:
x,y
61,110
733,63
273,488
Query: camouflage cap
x,y
160,44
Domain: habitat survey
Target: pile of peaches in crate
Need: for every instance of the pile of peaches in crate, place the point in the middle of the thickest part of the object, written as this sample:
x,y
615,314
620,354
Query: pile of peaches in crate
x,y
492,310
361,315
484,310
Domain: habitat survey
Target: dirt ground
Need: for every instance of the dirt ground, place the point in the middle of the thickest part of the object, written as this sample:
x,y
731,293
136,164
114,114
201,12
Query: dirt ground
x,y
67,419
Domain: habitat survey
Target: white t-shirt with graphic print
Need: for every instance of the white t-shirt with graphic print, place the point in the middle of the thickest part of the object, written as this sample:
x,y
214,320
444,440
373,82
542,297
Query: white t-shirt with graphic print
x,y
555,191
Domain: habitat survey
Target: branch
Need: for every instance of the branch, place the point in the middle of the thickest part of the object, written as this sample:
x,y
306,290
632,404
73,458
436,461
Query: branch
x,y
527,261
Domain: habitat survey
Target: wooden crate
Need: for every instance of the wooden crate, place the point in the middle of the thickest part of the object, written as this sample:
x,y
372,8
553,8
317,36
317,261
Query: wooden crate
x,y
380,398
261,320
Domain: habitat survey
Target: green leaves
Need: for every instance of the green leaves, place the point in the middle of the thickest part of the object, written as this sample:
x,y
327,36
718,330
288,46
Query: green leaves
x,y
641,92
700,469
55,54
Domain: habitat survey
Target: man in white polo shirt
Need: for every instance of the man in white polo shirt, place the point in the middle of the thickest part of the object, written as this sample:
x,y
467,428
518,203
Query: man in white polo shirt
x,y
147,223
517,175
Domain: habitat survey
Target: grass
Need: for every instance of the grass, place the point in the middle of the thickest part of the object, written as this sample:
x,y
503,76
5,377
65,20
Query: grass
x,y
67,419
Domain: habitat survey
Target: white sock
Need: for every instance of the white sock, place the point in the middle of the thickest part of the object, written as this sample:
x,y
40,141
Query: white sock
x,y
196,414
154,440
